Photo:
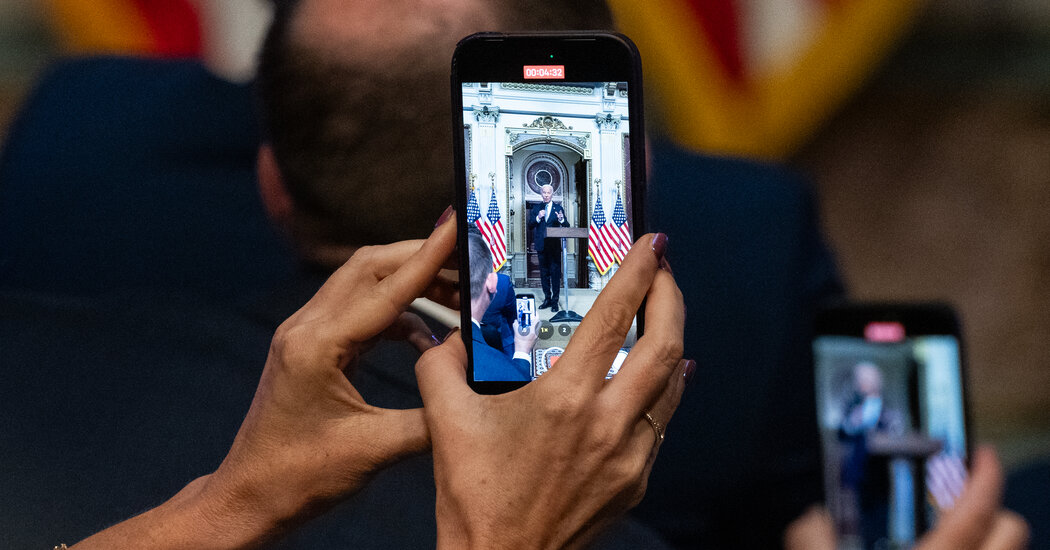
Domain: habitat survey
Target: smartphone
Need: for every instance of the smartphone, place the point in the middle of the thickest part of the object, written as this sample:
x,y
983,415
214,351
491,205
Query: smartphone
x,y
550,185
526,308
891,408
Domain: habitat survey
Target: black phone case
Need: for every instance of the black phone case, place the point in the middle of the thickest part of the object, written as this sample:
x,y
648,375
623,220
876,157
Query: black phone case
x,y
589,56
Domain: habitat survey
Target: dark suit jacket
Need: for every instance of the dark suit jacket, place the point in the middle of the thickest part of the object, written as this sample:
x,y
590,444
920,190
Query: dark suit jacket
x,y
502,312
539,229
491,364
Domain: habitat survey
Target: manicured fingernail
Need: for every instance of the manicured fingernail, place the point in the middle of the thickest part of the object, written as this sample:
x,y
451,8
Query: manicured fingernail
x,y
666,266
690,370
659,245
449,335
445,216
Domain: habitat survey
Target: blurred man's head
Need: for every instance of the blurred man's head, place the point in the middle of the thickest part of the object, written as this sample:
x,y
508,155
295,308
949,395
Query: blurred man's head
x,y
867,379
356,102
546,192
483,279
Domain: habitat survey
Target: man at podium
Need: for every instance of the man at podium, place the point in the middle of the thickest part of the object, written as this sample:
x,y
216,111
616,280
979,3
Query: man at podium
x,y
544,215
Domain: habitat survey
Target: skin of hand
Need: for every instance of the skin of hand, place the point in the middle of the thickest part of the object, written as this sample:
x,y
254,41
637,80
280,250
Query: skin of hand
x,y
309,438
524,343
549,464
976,522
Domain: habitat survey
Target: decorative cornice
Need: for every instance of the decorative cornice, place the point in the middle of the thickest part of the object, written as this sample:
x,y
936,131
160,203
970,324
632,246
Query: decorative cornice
x,y
548,122
573,90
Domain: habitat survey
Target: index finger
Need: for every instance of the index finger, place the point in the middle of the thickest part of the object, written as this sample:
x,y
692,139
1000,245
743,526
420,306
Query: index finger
x,y
652,361
401,271
593,346
418,270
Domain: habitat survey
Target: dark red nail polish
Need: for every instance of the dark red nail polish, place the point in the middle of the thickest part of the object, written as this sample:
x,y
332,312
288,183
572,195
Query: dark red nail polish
x,y
690,370
659,245
449,335
445,216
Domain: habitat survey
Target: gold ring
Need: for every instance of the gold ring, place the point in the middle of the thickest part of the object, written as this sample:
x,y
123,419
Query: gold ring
x,y
658,429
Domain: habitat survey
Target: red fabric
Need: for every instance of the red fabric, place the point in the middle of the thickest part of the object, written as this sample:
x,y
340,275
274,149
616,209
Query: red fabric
x,y
174,27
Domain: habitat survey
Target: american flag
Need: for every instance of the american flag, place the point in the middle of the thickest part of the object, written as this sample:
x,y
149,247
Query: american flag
x,y
485,226
497,237
597,247
621,232
945,477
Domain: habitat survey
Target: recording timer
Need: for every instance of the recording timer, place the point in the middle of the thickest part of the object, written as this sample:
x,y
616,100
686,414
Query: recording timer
x,y
545,71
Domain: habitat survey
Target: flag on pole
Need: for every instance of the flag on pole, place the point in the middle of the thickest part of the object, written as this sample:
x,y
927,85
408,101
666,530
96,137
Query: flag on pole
x,y
621,232
599,252
498,237
485,226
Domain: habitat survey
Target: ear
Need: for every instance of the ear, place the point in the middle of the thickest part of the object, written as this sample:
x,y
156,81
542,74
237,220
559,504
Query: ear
x,y
275,197
491,282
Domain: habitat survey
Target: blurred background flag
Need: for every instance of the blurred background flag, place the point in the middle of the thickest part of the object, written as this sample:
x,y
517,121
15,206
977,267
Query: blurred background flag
x,y
756,78
224,34
167,28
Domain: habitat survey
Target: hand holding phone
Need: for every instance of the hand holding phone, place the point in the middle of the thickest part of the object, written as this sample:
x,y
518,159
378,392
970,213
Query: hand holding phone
x,y
567,453
524,337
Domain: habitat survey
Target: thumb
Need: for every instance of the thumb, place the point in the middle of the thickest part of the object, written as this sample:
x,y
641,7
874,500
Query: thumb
x,y
441,373
812,530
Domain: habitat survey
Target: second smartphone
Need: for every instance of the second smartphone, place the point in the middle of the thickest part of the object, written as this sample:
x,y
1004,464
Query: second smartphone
x,y
550,178
891,405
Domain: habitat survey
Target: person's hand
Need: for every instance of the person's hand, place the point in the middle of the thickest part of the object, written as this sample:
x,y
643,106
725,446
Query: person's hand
x,y
542,214
309,438
523,343
547,465
561,217
976,522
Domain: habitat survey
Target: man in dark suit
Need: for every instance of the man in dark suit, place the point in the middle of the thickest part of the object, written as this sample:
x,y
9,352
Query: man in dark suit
x,y
490,363
499,317
542,216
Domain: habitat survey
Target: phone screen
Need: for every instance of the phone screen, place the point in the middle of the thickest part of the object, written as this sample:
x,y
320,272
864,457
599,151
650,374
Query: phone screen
x,y
526,307
549,200
890,405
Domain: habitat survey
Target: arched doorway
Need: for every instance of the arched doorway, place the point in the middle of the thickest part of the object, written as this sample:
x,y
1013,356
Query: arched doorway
x,y
544,162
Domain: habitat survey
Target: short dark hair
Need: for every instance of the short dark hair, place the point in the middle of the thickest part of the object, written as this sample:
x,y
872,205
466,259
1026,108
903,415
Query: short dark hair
x,y
480,262
362,166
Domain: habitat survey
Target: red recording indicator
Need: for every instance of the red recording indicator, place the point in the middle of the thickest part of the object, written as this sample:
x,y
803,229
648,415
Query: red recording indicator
x,y
545,71
884,332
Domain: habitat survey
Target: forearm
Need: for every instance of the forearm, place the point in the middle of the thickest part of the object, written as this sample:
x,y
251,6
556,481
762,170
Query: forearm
x,y
196,517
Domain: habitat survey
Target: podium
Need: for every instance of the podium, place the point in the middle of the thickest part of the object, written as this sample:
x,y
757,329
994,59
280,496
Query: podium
x,y
906,454
564,233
